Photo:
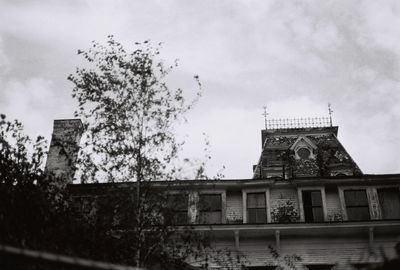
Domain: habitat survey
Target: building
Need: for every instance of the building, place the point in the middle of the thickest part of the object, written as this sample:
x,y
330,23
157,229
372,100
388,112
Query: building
x,y
307,197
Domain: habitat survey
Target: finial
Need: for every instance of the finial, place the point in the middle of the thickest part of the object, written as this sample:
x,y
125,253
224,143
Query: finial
x,y
265,114
330,113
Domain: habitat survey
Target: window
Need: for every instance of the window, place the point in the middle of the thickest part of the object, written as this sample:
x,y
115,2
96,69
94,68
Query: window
x,y
312,205
389,201
304,153
178,203
320,267
356,205
256,211
210,208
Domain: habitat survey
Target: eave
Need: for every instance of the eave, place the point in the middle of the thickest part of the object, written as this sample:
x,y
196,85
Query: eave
x,y
253,183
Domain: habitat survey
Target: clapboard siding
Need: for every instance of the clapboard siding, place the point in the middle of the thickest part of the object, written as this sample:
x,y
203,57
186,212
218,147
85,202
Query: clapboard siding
x,y
341,252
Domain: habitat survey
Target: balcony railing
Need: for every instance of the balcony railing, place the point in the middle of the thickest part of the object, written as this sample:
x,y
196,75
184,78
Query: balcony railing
x,y
298,123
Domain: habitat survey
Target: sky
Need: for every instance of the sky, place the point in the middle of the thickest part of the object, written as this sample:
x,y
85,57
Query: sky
x,y
292,56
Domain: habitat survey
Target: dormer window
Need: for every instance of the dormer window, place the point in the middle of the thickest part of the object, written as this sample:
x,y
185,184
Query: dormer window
x,y
304,153
303,148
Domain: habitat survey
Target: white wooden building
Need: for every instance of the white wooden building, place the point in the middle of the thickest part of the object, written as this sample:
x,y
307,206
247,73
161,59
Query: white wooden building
x,y
307,197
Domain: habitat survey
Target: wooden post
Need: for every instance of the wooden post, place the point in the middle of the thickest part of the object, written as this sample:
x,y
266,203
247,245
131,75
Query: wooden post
x,y
244,203
268,205
371,238
278,240
237,246
223,212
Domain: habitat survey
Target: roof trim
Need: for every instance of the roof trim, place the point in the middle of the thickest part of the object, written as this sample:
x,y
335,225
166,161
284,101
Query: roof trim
x,y
367,178
304,138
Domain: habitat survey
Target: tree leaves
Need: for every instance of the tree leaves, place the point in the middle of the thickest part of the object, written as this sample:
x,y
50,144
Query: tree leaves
x,y
129,111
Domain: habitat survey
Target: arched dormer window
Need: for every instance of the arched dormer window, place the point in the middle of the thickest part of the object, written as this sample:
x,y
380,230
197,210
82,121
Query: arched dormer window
x,y
304,148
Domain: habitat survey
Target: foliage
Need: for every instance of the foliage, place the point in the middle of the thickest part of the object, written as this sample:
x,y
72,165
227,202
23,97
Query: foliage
x,y
32,203
129,114
19,167
235,220
335,216
289,261
37,213
225,258
285,212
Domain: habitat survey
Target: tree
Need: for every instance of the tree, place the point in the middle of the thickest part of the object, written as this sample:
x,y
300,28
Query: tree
x,y
32,203
129,113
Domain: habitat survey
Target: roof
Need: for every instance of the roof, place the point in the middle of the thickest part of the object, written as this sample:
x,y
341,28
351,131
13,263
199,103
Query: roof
x,y
327,156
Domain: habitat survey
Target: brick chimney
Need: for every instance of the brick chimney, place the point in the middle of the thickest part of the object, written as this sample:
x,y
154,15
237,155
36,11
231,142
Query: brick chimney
x,y
64,148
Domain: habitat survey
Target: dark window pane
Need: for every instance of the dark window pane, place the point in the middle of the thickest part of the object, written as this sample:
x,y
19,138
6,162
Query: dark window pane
x,y
210,202
312,205
257,215
261,215
256,200
178,204
316,198
251,200
356,205
312,198
358,213
356,198
210,217
307,198
252,215
256,211
210,209
308,214
389,201
318,214
304,153
181,218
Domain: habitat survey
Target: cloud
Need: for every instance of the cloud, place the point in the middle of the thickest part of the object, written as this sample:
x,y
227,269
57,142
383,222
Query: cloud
x,y
31,102
293,56
4,62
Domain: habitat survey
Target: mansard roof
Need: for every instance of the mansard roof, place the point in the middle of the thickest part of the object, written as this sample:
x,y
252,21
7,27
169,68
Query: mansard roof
x,y
323,154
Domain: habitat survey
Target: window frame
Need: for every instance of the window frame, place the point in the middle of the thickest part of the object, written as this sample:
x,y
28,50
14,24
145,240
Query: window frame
x,y
222,194
359,205
257,208
375,189
267,202
321,189
176,193
309,206
368,191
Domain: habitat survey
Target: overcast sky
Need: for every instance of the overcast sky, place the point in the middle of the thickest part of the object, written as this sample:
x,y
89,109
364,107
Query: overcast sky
x,y
292,56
